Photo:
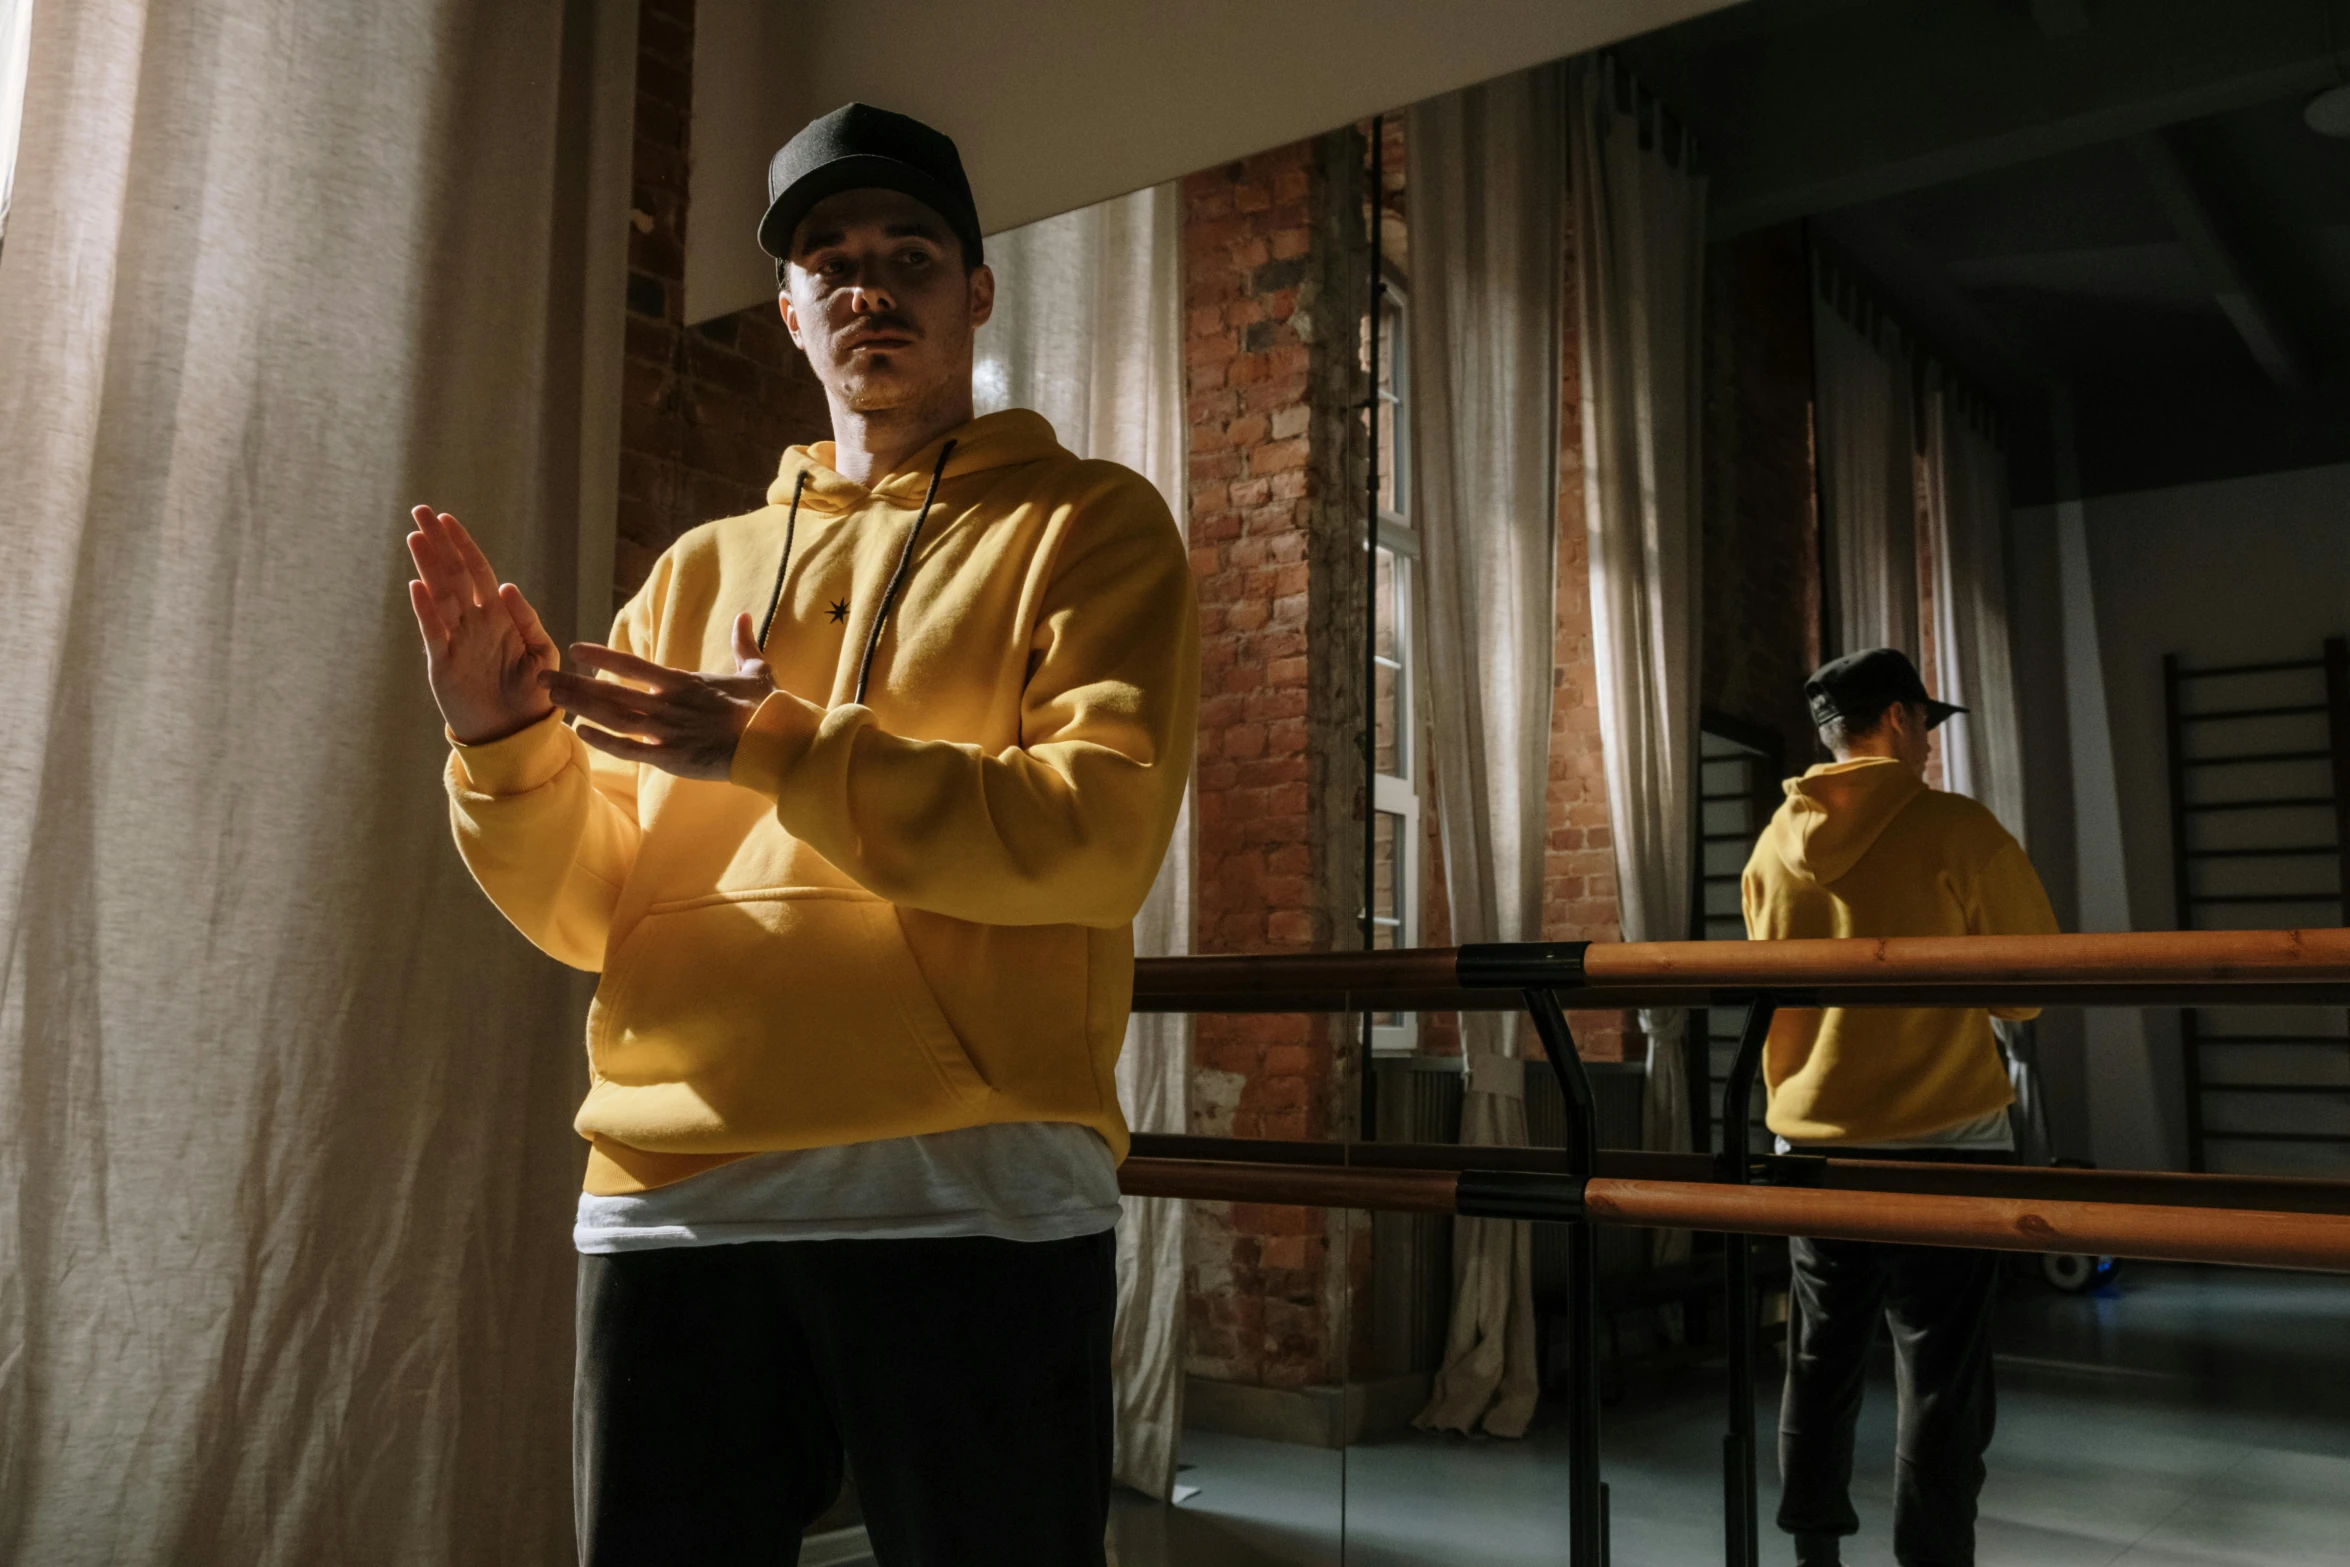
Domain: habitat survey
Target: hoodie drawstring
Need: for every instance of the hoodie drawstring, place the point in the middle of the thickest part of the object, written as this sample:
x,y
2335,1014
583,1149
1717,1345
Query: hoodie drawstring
x,y
791,523
897,578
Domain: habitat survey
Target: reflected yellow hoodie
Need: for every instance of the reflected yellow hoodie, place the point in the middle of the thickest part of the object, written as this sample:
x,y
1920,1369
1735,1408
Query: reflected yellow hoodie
x,y
1864,848
903,915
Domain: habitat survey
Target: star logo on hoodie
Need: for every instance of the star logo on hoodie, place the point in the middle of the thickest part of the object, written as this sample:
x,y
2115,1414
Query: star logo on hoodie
x,y
840,610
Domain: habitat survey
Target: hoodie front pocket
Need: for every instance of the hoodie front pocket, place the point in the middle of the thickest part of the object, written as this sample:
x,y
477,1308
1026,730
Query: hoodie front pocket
x,y
789,1009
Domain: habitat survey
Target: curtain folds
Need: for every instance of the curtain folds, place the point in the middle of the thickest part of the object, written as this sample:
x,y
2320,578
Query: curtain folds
x,y
1088,332
285,1165
1487,176
1640,250
1867,469
1965,525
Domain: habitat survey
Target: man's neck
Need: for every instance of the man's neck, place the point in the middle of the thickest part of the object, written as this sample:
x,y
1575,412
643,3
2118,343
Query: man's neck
x,y
868,444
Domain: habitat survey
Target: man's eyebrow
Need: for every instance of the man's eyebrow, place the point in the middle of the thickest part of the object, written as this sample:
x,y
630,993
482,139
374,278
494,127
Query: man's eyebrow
x,y
906,228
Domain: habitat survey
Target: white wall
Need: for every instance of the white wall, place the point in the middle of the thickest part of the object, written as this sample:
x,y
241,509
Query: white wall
x,y
2232,572
1058,104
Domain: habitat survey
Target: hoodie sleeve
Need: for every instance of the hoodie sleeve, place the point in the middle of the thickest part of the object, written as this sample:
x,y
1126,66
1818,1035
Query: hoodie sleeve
x,y
548,825
2009,901
1068,826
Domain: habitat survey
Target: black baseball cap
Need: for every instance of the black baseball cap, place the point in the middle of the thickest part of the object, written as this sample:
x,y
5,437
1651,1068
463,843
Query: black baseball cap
x,y
859,147
1860,686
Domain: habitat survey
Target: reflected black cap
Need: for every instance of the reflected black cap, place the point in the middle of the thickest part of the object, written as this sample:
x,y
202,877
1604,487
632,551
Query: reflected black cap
x,y
859,147
1859,687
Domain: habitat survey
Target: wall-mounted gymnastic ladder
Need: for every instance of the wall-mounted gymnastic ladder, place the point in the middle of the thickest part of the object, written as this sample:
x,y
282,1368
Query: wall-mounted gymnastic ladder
x,y
2240,1220
2260,831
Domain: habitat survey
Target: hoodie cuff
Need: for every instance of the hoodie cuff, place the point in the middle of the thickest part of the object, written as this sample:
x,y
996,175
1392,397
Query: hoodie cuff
x,y
527,759
778,736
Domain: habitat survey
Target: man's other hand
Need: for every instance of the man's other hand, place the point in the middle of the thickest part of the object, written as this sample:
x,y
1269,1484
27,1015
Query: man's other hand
x,y
484,649
674,719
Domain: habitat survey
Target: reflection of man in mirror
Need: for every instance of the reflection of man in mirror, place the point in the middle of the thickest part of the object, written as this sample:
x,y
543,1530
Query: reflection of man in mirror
x,y
1862,847
863,795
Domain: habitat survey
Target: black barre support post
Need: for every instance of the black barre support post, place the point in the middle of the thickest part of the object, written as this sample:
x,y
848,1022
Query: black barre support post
x,y
1587,1540
1741,1526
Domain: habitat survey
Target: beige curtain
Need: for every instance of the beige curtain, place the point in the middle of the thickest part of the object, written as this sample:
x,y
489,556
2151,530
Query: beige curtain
x,y
1488,182
1640,251
285,1163
1867,477
1088,332
1965,519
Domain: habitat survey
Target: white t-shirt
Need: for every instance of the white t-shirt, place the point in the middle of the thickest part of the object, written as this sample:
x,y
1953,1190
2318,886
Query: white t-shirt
x,y
1021,1181
1985,1134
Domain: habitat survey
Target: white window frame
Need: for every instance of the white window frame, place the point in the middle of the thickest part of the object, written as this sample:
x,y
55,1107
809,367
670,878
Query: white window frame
x,y
1398,795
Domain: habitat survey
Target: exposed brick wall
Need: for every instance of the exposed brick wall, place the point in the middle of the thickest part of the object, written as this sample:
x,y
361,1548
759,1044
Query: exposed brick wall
x,y
1273,266
1578,862
709,409
1761,523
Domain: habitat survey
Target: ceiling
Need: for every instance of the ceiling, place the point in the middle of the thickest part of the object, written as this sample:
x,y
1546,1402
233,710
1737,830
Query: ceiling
x,y
1061,103
2113,212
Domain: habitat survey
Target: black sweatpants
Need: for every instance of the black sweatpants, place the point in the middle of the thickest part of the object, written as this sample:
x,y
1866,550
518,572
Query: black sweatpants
x,y
1938,1304
966,1382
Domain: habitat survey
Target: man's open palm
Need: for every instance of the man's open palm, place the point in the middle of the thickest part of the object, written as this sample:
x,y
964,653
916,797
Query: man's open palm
x,y
484,649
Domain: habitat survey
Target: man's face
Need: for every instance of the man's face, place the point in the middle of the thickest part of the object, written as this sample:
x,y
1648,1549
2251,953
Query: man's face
x,y
876,294
1913,742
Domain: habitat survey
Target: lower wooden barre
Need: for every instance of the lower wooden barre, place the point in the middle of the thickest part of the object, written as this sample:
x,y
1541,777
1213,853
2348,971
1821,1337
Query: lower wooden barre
x,y
2240,1237
2244,1237
1294,1185
1631,1164
2038,1183
2030,1183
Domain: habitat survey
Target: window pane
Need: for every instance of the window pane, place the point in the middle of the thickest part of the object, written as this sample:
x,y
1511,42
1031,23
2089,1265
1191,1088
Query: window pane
x,y
1392,490
1387,673
1386,884
1386,894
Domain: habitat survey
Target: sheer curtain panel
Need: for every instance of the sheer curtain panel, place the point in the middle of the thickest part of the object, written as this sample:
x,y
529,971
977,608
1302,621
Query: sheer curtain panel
x,y
1088,331
1488,183
1966,537
1867,469
1640,250
286,1169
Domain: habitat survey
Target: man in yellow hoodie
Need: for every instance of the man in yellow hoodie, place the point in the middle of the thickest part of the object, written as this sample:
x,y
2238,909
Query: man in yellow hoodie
x,y
1861,847
860,802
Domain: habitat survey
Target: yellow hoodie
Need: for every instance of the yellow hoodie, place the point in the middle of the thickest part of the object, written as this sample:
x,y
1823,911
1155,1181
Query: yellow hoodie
x,y
902,916
1864,848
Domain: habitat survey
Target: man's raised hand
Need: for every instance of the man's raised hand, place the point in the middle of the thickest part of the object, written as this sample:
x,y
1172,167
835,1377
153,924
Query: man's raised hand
x,y
484,649
675,719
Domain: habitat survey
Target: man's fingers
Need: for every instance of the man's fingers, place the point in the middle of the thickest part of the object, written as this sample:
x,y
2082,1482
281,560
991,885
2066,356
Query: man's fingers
x,y
440,571
526,620
428,617
749,660
602,702
642,671
469,555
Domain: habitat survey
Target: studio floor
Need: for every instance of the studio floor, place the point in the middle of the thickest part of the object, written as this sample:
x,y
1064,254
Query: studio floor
x,y
2179,1417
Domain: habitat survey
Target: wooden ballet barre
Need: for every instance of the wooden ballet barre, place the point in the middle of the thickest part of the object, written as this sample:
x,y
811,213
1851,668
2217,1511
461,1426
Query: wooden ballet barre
x,y
2154,1188
2164,1233
1544,979
2035,1183
1621,1163
2136,968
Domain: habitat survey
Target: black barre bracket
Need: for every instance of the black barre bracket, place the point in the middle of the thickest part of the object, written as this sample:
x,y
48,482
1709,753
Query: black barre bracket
x,y
1519,1194
1520,965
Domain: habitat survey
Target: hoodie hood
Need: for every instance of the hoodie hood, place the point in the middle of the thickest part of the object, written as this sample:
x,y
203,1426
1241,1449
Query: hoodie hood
x,y
1837,811
997,440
